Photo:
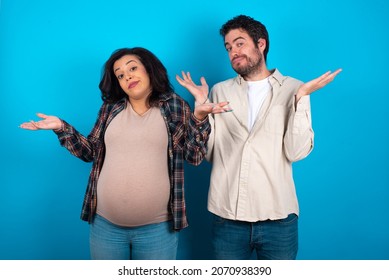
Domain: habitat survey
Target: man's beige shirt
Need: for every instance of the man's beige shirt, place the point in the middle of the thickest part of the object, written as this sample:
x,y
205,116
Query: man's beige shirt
x,y
251,176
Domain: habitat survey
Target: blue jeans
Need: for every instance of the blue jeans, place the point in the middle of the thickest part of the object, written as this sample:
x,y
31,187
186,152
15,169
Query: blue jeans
x,y
150,242
272,240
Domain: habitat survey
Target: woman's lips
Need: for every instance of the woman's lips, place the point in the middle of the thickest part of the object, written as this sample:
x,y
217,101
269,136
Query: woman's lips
x,y
132,84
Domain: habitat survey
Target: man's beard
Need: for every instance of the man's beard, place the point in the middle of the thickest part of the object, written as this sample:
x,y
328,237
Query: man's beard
x,y
252,66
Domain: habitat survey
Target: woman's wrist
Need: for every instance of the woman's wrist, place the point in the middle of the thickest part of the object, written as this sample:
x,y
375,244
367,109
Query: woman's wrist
x,y
200,116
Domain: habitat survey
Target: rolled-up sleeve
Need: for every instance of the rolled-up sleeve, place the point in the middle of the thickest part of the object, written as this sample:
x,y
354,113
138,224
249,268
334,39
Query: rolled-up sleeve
x,y
298,139
196,141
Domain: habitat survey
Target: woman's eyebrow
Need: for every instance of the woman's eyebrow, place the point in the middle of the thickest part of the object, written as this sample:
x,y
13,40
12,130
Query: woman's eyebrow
x,y
131,60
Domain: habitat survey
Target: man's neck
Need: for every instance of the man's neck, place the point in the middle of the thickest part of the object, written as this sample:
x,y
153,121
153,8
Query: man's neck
x,y
261,74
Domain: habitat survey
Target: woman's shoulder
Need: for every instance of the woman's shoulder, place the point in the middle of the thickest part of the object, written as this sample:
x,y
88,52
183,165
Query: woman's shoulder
x,y
174,97
108,106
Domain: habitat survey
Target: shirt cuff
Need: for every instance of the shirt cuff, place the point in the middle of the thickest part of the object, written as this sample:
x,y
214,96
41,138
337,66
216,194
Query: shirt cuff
x,y
197,121
303,104
65,129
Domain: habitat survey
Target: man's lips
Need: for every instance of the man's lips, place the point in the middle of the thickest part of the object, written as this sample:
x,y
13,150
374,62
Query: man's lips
x,y
237,59
132,84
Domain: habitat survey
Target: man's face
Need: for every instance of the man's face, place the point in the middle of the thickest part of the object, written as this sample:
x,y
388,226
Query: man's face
x,y
245,57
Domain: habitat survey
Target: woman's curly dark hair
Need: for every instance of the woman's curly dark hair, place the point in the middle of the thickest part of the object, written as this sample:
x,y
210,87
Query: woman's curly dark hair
x,y
109,84
254,28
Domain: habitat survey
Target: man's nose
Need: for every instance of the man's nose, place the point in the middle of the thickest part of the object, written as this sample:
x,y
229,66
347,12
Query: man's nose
x,y
234,52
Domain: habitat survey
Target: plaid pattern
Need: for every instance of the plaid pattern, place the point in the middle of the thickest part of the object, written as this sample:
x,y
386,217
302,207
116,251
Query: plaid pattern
x,y
187,141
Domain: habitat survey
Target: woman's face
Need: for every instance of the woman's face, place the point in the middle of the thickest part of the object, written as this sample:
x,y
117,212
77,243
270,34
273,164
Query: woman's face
x,y
133,77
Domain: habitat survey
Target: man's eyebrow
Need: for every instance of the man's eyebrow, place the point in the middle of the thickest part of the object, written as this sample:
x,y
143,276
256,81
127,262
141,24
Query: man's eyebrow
x,y
237,38
131,60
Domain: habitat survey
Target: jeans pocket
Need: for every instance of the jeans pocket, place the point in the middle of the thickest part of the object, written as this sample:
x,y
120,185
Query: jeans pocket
x,y
218,220
292,218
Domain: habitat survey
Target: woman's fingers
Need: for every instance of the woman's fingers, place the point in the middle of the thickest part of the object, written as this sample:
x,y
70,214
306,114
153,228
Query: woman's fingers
x,y
43,116
29,126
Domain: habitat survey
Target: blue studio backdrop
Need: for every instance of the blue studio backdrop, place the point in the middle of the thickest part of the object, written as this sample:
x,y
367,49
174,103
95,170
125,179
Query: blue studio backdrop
x,y
51,56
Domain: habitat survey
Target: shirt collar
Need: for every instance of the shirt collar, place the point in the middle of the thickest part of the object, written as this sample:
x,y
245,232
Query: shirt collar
x,y
275,76
162,97
165,96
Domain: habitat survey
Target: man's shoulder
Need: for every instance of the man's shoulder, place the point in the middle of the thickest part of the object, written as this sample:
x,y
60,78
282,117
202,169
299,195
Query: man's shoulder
x,y
284,80
226,83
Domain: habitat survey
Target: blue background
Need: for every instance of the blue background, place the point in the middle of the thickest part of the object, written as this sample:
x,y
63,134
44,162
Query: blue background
x,y
50,61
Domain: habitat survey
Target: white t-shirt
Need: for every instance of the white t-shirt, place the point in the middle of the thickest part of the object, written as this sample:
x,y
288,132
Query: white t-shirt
x,y
258,90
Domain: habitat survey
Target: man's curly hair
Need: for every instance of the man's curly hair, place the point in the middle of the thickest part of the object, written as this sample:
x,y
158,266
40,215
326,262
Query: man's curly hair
x,y
254,29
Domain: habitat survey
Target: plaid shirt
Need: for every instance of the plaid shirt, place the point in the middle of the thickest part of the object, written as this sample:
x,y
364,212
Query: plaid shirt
x,y
187,140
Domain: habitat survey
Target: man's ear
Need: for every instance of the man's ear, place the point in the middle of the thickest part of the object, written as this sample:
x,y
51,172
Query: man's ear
x,y
261,44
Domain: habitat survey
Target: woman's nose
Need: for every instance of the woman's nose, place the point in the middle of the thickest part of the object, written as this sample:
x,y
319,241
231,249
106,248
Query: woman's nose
x,y
128,76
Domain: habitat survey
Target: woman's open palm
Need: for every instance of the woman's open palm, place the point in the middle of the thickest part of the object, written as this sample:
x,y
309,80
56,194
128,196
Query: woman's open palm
x,y
47,123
